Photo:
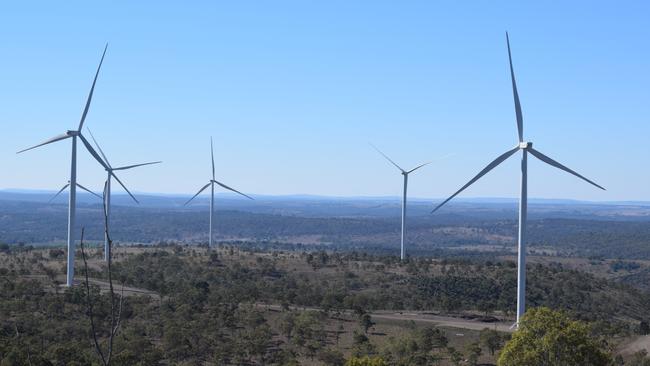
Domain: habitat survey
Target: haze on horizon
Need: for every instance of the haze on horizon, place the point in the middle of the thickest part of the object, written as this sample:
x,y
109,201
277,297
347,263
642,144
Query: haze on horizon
x,y
293,92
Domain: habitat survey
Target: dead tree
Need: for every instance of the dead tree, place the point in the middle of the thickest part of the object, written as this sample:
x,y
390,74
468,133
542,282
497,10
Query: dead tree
x,y
116,306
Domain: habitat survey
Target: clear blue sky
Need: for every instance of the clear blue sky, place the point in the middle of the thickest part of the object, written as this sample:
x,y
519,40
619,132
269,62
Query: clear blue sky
x,y
293,91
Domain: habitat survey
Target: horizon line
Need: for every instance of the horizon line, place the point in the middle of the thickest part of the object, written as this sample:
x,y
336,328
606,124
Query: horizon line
x,y
344,197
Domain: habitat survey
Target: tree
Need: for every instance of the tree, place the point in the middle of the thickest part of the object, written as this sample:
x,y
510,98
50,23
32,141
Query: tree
x,y
115,309
455,356
287,325
331,357
361,345
366,361
51,274
366,322
56,253
644,327
340,330
411,349
433,338
491,339
257,340
473,353
309,332
214,258
551,338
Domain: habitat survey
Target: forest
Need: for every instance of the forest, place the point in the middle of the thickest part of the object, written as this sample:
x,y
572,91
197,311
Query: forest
x,y
236,306
492,231
312,289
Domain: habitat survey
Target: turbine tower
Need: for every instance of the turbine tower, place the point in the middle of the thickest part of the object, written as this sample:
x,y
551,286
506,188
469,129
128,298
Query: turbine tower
x,y
107,193
73,171
525,147
405,173
78,185
211,184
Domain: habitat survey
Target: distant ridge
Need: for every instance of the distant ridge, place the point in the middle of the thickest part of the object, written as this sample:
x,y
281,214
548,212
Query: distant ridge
x,y
171,199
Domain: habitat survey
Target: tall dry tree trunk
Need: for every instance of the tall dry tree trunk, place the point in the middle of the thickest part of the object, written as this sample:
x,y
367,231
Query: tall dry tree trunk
x,y
116,310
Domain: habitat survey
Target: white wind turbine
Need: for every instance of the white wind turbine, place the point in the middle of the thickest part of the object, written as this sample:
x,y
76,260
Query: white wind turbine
x,y
107,192
78,185
525,147
73,171
405,173
211,185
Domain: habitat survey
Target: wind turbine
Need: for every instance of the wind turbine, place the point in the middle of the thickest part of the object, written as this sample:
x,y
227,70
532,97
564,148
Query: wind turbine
x,y
525,147
78,185
211,184
405,173
107,193
73,171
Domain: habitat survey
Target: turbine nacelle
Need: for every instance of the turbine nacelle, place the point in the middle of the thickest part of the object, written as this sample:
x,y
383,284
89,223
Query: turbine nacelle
x,y
525,145
403,172
73,133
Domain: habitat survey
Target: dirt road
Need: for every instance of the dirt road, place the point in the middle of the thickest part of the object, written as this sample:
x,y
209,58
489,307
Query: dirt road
x,y
443,321
419,317
128,291
640,343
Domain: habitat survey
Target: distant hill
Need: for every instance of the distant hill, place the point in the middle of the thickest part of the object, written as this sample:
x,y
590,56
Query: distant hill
x,y
323,206
369,224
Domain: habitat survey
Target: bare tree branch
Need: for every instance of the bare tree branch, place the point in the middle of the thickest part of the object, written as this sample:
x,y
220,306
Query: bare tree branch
x,y
119,311
116,309
90,302
115,318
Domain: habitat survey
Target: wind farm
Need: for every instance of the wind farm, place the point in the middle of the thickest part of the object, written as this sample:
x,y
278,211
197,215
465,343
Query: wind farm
x,y
314,253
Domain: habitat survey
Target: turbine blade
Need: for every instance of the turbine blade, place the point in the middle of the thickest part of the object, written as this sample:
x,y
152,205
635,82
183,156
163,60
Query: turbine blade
x,y
489,167
554,163
123,186
99,148
58,193
136,165
197,193
89,191
212,155
418,167
387,158
93,152
520,118
92,90
49,141
232,189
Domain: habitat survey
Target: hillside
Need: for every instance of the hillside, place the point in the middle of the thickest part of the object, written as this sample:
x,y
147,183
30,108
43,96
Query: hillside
x,y
203,306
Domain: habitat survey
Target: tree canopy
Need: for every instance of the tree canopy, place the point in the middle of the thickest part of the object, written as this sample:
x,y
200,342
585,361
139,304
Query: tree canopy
x,y
550,338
